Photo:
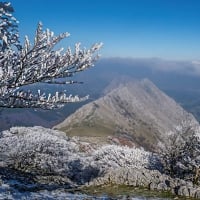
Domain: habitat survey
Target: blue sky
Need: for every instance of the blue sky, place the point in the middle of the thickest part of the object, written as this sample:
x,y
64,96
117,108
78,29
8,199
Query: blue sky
x,y
168,29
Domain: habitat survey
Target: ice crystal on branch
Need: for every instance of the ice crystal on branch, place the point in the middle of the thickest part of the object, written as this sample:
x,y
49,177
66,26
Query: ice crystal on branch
x,y
8,27
28,64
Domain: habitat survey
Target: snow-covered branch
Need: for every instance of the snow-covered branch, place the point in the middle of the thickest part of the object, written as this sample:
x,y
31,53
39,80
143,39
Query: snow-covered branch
x,y
39,62
8,27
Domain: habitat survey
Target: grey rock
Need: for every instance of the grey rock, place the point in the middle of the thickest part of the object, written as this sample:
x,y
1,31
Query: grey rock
x,y
153,186
162,186
192,191
183,191
150,179
197,194
181,182
189,184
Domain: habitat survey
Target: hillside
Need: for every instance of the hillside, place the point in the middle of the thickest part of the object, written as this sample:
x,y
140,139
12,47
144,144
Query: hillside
x,y
134,113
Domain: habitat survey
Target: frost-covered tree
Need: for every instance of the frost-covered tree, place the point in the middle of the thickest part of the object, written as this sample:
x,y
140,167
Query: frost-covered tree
x,y
24,65
180,154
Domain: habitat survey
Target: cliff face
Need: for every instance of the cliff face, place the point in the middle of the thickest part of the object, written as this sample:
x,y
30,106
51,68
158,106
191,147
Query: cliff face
x,y
136,111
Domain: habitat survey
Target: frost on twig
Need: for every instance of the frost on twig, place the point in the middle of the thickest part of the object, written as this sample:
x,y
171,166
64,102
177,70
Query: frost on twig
x,y
40,62
8,27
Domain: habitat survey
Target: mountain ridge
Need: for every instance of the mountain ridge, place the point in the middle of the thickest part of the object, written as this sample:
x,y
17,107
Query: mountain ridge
x,y
137,110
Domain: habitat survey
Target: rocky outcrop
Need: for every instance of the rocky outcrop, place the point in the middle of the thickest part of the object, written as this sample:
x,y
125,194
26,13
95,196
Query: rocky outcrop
x,y
151,179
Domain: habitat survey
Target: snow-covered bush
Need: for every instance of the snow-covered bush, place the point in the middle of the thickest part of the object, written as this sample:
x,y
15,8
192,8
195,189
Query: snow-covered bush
x,y
180,154
46,152
37,150
113,156
24,65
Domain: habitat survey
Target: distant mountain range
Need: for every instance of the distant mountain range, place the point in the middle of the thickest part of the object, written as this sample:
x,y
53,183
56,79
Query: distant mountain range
x,y
178,79
135,113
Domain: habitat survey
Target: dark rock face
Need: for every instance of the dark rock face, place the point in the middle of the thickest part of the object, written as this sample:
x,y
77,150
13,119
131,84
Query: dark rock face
x,y
137,111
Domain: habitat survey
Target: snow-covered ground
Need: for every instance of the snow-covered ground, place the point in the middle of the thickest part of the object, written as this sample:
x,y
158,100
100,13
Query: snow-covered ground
x,y
36,156
41,163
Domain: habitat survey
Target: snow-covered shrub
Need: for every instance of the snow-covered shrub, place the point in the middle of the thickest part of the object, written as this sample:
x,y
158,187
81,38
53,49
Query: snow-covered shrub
x,y
37,149
180,154
113,156
45,152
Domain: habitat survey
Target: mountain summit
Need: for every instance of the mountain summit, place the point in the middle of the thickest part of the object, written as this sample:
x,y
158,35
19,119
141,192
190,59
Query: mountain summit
x,y
135,111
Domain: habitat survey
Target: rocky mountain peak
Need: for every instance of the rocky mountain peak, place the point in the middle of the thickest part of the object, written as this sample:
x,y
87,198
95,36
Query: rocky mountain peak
x,y
134,110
